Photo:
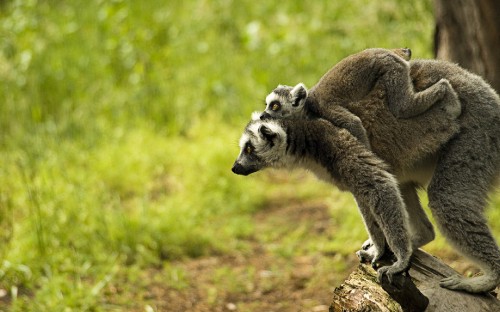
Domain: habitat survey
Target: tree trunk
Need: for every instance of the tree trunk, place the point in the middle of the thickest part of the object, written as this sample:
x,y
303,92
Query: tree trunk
x,y
468,33
361,292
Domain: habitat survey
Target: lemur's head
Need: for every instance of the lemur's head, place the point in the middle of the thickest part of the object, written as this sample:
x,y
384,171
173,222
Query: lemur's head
x,y
285,101
404,53
262,145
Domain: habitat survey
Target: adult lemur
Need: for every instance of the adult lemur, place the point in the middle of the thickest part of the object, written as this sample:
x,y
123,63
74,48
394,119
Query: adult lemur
x,y
460,156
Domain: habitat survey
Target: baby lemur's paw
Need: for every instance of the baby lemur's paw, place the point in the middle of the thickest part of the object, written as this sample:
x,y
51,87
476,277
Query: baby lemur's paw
x,y
444,86
452,104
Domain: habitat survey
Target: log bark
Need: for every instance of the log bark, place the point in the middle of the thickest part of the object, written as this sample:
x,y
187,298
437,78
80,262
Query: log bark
x,y
361,292
468,33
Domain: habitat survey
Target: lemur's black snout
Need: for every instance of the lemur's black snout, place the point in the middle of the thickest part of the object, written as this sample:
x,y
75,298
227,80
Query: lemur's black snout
x,y
242,170
265,115
237,168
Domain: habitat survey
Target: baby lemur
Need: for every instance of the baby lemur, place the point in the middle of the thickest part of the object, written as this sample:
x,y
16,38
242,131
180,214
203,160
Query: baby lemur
x,y
452,147
389,69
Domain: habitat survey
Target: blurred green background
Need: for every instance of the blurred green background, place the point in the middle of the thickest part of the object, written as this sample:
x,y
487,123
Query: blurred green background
x,y
119,123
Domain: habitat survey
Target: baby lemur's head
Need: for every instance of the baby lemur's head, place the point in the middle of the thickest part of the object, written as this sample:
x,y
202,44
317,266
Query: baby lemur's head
x,y
285,101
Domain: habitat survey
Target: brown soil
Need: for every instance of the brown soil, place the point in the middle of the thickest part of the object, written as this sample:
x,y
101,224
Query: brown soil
x,y
258,279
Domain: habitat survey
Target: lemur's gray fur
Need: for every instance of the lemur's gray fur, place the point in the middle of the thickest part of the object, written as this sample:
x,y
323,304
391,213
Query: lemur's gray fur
x,y
456,149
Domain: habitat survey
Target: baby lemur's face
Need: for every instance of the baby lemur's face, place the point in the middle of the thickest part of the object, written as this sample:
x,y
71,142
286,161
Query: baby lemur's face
x,y
285,101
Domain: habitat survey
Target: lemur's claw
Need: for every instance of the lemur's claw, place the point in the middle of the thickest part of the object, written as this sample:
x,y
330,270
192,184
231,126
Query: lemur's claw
x,y
385,271
390,271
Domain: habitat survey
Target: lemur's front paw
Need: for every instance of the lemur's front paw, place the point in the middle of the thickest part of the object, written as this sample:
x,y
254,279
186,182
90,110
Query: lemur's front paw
x,y
391,270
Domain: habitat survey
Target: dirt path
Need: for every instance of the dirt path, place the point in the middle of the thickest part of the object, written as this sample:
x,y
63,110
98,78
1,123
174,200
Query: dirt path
x,y
265,277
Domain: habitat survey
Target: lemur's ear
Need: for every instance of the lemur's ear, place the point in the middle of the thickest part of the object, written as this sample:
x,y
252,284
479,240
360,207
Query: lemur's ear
x,y
299,94
267,133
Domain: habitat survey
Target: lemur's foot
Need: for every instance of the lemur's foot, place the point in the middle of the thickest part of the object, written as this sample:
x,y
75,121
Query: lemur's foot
x,y
370,255
367,244
368,252
477,284
363,256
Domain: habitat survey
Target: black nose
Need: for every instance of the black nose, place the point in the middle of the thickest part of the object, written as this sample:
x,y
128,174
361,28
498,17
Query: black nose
x,y
241,170
265,115
236,168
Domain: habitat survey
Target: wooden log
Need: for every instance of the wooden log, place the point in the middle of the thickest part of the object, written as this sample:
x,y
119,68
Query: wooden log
x,y
362,292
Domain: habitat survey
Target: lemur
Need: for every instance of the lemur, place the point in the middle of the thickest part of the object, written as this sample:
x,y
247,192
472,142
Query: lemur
x,y
335,156
457,155
388,68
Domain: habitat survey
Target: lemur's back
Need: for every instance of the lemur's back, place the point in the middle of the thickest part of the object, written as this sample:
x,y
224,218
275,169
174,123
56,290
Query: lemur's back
x,y
353,77
403,143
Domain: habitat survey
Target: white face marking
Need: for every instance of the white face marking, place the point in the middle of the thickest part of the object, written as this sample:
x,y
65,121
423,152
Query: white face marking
x,y
271,97
256,115
275,127
243,140
254,128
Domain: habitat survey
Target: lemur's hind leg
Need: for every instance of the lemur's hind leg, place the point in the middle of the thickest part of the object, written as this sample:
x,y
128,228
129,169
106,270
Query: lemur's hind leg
x,y
374,248
421,229
457,197
404,102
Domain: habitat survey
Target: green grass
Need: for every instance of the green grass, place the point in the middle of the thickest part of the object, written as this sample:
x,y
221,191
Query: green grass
x,y
119,122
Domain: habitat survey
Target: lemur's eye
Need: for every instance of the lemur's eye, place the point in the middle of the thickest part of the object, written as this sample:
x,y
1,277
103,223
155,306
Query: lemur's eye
x,y
275,106
248,149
